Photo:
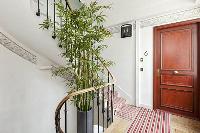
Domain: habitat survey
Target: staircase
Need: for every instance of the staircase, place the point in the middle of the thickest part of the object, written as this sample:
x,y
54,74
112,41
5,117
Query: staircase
x,y
107,104
109,109
106,101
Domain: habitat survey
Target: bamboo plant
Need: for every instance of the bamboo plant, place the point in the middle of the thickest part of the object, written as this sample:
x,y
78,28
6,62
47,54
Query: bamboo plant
x,y
80,35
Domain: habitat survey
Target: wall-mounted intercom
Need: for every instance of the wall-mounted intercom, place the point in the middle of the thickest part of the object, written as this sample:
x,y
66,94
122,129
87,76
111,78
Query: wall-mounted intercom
x,y
126,30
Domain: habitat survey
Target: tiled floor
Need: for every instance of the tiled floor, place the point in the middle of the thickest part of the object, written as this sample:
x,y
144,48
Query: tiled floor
x,y
178,125
184,125
119,126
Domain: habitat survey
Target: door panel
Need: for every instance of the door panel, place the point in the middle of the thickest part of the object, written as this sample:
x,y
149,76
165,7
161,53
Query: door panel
x,y
176,49
172,98
175,69
177,80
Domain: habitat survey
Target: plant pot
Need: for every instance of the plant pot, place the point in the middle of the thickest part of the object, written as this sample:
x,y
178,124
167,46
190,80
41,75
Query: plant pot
x,y
85,125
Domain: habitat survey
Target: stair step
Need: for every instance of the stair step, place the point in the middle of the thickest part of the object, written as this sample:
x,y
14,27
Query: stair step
x,y
127,112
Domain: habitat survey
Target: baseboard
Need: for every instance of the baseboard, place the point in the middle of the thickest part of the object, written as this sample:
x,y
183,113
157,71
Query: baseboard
x,y
124,95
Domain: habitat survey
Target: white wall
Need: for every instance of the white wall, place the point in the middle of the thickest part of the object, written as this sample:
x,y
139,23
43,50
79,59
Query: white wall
x,y
28,96
122,52
126,10
146,76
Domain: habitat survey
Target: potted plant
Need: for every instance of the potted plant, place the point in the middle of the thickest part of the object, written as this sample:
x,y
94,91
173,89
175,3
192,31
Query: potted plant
x,y
80,35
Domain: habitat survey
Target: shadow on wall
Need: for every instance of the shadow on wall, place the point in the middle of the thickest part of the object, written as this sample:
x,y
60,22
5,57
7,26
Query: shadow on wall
x,y
122,52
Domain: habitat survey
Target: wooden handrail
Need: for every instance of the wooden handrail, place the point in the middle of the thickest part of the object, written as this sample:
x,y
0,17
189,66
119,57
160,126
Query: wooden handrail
x,y
79,92
66,98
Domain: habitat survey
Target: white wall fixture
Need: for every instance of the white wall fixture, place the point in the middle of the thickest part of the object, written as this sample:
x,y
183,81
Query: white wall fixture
x,y
12,46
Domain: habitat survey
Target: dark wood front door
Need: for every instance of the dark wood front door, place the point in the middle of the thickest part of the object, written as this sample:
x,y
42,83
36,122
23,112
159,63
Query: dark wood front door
x,y
175,69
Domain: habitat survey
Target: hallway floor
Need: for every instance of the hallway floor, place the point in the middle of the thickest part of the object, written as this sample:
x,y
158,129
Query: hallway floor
x,y
184,125
178,125
129,118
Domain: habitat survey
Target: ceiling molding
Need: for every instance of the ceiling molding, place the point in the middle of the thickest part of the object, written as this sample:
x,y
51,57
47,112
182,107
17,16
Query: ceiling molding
x,y
15,48
183,15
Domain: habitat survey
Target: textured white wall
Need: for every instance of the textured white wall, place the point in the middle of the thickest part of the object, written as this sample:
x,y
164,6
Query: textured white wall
x,y
146,76
122,52
28,96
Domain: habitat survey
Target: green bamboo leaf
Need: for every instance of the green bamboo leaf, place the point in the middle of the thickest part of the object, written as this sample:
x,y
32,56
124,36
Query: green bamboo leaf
x,y
80,35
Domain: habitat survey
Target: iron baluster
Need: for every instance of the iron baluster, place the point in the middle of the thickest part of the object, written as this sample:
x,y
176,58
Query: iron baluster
x,y
47,9
66,4
86,113
54,20
98,100
112,92
38,11
66,117
103,109
108,98
98,108
59,119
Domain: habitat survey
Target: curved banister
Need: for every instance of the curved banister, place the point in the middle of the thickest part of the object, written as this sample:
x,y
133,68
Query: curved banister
x,y
91,89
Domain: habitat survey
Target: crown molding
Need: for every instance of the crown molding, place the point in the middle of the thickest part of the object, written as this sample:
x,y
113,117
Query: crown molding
x,y
166,18
173,17
15,48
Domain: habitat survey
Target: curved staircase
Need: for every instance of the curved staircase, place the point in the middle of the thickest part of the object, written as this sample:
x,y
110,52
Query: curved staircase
x,y
107,104
105,101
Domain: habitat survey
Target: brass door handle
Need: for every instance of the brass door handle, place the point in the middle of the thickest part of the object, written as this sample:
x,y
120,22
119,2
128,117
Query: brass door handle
x,y
175,72
158,71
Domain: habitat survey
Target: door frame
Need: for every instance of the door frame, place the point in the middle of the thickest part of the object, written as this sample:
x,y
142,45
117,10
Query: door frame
x,y
156,49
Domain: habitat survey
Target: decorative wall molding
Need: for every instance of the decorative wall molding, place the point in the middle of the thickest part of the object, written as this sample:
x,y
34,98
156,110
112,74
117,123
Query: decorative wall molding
x,y
114,29
188,14
15,48
181,15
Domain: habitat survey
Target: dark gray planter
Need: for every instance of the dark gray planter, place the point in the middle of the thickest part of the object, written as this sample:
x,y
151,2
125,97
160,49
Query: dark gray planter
x,y
82,122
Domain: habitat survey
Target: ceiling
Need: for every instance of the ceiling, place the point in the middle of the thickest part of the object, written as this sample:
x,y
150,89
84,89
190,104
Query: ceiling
x,y
18,18
125,10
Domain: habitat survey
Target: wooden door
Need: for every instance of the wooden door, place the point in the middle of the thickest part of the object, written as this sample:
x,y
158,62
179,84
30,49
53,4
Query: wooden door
x,y
175,69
